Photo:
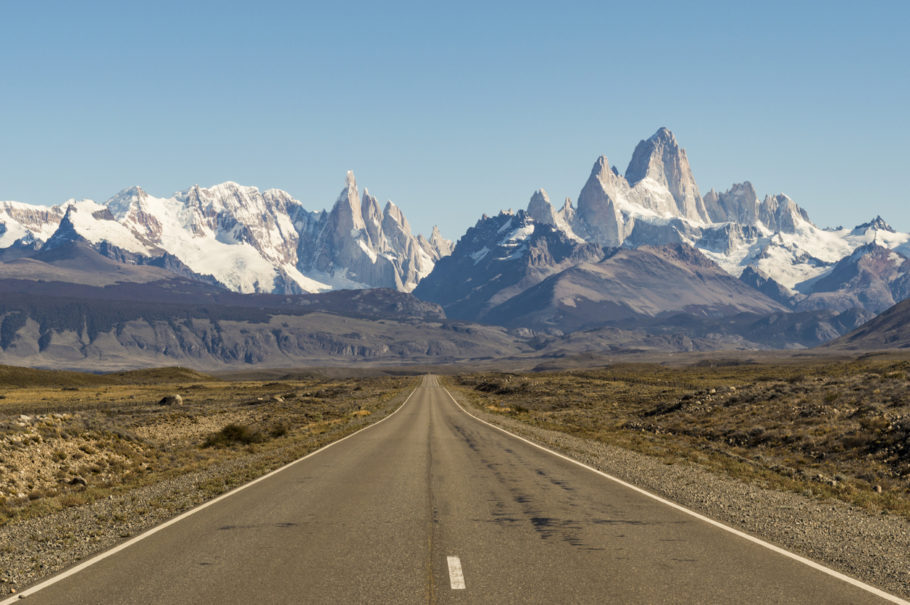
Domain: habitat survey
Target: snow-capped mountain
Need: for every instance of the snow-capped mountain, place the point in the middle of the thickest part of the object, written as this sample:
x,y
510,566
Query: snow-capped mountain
x,y
497,259
516,271
249,240
25,225
657,202
240,237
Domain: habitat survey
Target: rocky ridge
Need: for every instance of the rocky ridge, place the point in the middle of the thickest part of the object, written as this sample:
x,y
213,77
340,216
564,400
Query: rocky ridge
x,y
770,243
242,238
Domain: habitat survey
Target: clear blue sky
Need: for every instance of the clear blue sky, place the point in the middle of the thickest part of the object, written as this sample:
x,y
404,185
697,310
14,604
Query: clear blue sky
x,y
455,109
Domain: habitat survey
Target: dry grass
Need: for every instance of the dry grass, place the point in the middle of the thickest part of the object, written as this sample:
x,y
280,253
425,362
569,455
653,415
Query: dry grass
x,y
87,436
829,429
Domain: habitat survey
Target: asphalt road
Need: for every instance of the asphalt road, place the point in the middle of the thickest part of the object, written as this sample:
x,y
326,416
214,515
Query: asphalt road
x,y
402,510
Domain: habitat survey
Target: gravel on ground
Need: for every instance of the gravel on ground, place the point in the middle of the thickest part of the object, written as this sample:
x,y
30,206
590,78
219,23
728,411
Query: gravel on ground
x,y
873,548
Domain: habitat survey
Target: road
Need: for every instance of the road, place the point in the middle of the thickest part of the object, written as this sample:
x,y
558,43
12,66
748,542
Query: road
x,y
431,498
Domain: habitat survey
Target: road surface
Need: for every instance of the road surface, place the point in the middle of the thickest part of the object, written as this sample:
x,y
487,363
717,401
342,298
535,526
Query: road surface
x,y
434,506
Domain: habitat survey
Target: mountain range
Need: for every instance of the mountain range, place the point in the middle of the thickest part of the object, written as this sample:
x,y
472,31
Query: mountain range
x,y
244,239
642,259
770,244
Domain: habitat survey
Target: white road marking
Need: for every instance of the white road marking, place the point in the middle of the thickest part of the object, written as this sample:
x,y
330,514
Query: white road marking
x,y
157,528
456,576
818,566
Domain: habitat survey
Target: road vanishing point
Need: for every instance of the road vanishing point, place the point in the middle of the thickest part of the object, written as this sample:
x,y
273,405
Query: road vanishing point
x,y
431,505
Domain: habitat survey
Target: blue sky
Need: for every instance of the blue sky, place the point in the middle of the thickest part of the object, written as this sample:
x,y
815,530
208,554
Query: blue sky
x,y
452,110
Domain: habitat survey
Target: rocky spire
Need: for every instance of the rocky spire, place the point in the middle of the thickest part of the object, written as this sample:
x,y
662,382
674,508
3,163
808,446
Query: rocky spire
x,y
540,209
781,214
598,217
346,213
738,204
372,217
442,246
661,159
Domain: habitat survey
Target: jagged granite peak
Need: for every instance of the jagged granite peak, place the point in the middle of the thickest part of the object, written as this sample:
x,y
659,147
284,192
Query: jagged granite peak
x,y
598,218
394,230
245,239
738,204
780,213
391,212
540,208
372,218
499,257
876,224
65,233
441,245
357,245
661,160
347,208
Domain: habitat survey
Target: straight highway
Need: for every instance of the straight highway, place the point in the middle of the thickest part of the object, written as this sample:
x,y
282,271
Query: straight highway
x,y
431,505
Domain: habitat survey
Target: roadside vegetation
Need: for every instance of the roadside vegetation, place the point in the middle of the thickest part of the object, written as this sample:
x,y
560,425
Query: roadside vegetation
x,y
826,429
67,439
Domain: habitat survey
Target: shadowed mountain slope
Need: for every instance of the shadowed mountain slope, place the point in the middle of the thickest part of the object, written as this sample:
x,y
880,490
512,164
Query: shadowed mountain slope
x,y
890,330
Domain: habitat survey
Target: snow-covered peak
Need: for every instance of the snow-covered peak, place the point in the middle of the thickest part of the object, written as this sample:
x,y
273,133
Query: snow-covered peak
x,y
244,238
739,204
20,222
780,213
95,223
876,224
660,160
120,204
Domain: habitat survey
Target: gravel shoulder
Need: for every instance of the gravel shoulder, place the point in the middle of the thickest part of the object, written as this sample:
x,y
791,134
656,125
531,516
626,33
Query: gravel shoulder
x,y
34,548
874,548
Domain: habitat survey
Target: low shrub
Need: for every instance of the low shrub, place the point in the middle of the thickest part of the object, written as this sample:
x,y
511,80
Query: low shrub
x,y
233,434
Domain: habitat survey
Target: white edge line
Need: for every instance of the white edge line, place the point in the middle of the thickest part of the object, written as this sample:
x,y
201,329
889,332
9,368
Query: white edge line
x,y
104,555
760,542
456,575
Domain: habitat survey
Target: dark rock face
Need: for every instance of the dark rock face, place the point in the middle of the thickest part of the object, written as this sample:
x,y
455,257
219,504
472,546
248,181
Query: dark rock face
x,y
766,286
497,258
890,330
631,285
873,277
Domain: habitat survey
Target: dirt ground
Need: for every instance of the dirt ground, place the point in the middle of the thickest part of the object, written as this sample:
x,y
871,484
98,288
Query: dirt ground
x,y
830,428
85,437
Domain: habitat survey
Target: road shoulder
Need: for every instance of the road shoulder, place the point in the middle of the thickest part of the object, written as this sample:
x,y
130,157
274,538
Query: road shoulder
x,y
872,548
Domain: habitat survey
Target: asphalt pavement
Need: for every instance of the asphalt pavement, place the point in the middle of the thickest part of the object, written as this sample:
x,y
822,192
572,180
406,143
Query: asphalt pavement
x,y
433,506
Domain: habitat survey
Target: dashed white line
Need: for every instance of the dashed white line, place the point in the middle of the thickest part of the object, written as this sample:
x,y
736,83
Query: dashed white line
x,y
808,562
456,576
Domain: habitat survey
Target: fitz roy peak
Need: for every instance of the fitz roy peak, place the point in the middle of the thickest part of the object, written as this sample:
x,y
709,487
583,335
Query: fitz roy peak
x,y
242,238
657,202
